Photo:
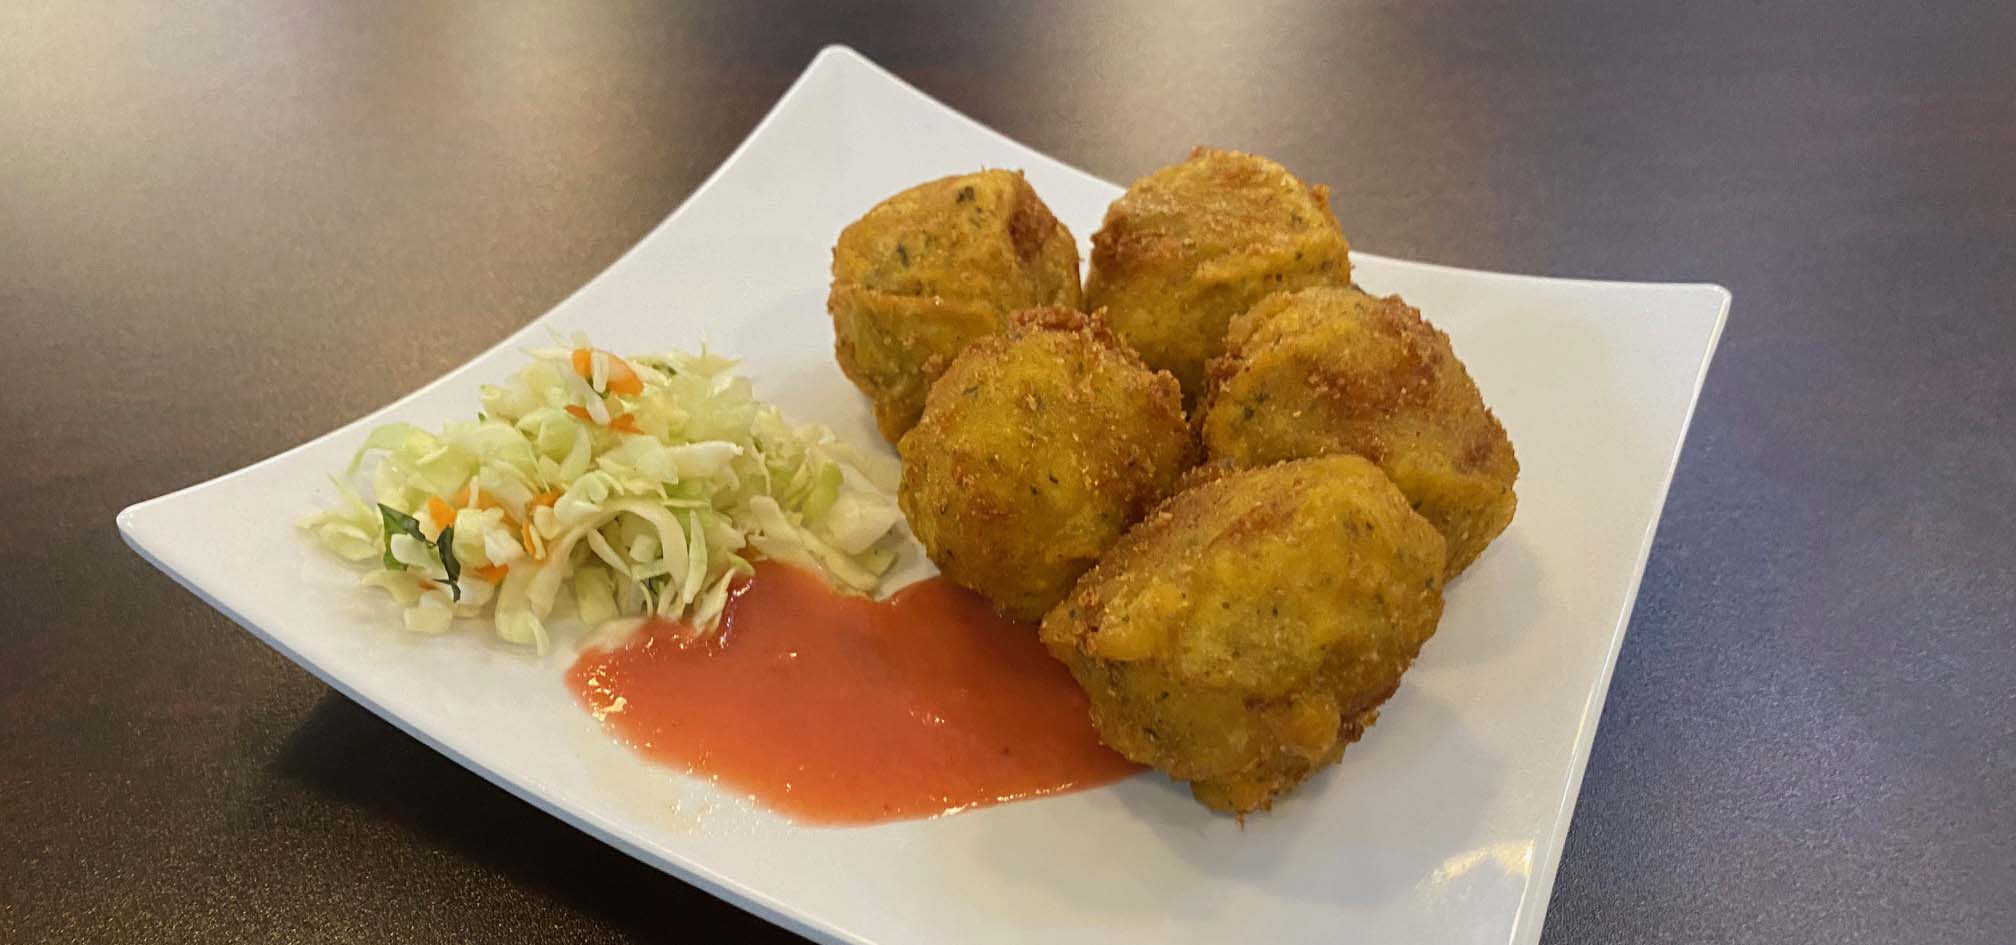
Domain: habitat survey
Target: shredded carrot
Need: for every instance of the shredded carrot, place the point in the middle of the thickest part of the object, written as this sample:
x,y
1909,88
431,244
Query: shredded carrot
x,y
427,585
494,573
623,423
442,514
530,541
460,500
622,377
525,532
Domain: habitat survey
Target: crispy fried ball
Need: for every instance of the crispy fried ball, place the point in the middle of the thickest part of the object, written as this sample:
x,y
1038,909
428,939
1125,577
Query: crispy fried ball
x,y
934,267
1193,244
1250,627
1038,447
1339,371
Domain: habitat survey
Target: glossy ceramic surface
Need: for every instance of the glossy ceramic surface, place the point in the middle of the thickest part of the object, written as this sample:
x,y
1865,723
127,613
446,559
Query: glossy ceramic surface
x,y
1444,824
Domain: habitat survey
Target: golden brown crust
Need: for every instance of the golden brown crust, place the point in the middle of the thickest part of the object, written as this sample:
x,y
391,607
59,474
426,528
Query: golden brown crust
x,y
930,269
1250,627
1188,247
1333,370
1037,448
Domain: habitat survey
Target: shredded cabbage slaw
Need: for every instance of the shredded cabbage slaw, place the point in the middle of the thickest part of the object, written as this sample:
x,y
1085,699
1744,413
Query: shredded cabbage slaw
x,y
639,486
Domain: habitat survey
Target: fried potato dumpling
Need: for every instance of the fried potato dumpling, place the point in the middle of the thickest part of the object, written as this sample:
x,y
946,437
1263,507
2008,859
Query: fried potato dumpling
x,y
1338,371
1193,244
1250,627
1037,449
934,267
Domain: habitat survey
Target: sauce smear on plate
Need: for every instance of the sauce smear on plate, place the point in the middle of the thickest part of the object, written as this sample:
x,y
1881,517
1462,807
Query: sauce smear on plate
x,y
839,710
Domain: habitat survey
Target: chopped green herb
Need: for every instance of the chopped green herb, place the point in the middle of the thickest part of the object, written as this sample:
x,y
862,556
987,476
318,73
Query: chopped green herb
x,y
445,544
398,523
718,471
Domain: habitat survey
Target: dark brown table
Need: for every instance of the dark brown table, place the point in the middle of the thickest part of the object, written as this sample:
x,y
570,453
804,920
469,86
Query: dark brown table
x,y
225,229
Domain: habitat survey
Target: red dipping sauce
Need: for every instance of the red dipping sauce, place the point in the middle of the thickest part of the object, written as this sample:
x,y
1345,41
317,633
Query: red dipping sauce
x,y
838,710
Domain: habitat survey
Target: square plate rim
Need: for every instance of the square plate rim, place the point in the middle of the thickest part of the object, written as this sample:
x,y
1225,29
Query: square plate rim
x,y
1535,898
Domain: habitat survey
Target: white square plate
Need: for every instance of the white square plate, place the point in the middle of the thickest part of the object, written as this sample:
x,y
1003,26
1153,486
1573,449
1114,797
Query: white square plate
x,y
1443,825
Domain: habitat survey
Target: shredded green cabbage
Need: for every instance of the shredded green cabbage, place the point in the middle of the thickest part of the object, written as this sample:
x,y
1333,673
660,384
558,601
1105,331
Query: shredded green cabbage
x,y
642,486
